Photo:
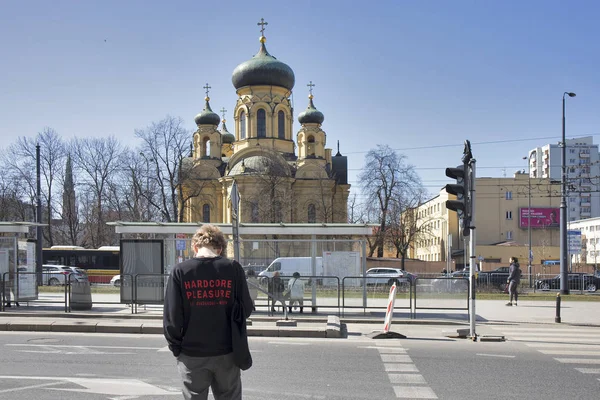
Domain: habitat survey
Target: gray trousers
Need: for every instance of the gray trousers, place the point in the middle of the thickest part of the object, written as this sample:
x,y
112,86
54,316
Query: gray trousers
x,y
513,290
218,373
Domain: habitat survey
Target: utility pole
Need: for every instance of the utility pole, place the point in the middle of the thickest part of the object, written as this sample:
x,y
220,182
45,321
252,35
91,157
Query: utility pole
x,y
564,250
38,216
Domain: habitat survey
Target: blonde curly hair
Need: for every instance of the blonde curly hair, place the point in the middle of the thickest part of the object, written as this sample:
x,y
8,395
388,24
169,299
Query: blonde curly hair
x,y
209,236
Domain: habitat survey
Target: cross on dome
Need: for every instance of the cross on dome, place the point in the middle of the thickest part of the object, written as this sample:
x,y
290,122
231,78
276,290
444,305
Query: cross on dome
x,y
310,87
207,88
262,24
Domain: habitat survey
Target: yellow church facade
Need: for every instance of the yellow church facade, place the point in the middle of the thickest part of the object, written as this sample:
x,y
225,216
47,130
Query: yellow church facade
x,y
282,176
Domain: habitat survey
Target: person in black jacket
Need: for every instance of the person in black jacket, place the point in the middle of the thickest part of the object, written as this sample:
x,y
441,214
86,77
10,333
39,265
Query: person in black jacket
x,y
197,317
514,278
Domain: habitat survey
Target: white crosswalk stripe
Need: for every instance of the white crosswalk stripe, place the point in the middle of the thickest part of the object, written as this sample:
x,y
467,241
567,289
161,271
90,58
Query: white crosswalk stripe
x,y
403,373
573,346
589,370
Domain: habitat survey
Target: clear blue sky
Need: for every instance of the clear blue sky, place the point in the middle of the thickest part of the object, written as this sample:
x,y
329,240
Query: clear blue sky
x,y
420,76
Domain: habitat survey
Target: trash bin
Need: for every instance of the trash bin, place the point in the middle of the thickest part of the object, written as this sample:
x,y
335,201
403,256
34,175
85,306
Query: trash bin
x,y
81,296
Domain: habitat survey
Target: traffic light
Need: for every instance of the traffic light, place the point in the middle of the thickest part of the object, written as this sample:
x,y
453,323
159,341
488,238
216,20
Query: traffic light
x,y
461,190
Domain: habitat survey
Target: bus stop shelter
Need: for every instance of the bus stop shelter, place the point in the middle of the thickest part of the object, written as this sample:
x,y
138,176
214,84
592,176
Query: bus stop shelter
x,y
17,262
259,243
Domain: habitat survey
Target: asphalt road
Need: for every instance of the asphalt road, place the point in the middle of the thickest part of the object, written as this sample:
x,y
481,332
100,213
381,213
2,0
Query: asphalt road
x,y
538,362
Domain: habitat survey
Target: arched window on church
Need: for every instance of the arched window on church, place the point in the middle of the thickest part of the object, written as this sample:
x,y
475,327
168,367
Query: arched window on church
x,y
261,123
254,212
205,147
281,124
206,213
243,125
310,150
312,214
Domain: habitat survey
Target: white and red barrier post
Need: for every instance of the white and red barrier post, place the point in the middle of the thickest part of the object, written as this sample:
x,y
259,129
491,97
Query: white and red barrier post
x,y
389,313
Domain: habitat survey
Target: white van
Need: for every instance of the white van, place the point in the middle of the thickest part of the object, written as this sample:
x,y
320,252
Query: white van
x,y
288,265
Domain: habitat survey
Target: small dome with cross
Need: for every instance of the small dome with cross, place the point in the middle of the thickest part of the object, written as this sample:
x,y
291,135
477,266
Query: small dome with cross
x,y
207,116
311,115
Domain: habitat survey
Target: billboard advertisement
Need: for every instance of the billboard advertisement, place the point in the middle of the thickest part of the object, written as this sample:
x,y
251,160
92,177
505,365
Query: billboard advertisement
x,y
541,217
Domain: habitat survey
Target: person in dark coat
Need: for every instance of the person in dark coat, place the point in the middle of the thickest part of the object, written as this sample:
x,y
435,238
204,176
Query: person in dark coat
x,y
514,278
197,317
276,288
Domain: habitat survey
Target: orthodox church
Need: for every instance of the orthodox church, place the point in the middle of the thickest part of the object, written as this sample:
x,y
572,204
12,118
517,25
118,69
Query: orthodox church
x,y
281,178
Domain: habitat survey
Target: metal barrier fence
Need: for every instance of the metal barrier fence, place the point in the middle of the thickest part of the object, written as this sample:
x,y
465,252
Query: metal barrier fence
x,y
442,293
320,292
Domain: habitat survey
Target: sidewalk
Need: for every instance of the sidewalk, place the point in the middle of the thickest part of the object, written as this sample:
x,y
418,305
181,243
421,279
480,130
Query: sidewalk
x,y
117,318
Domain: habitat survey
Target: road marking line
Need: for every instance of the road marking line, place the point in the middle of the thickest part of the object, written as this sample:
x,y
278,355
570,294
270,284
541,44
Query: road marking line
x,y
31,387
562,340
400,367
562,345
589,370
262,393
557,330
290,343
414,392
407,378
396,358
391,350
84,347
495,355
112,386
570,352
578,360
553,334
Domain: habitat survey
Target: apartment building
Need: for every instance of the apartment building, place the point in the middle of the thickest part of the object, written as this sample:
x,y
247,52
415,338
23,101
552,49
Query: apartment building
x,y
583,174
590,241
502,221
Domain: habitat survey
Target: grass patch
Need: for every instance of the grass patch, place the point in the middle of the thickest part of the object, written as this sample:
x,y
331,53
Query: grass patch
x,y
95,289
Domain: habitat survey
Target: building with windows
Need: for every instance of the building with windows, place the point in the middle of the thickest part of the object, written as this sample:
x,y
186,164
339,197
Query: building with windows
x,y
590,241
583,174
281,177
503,218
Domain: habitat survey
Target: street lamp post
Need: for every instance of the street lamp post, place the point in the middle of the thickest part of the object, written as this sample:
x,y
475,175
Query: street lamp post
x,y
564,287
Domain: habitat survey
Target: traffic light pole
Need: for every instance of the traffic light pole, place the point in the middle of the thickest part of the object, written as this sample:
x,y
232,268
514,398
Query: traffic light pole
x,y
472,242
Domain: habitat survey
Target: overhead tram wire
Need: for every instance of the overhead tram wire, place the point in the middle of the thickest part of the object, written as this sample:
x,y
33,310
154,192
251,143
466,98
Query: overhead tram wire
x,y
440,146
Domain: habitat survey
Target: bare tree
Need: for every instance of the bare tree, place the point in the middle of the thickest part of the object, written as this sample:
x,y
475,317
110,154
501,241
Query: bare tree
x,y
21,160
98,160
405,226
165,144
384,178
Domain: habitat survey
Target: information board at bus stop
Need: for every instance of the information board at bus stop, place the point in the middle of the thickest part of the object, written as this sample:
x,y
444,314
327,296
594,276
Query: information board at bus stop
x,y
574,239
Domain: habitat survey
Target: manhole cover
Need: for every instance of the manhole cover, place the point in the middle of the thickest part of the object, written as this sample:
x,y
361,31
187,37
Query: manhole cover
x,y
44,340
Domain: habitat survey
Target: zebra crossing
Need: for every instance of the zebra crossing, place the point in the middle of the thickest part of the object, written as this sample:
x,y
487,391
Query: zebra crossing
x,y
403,374
578,347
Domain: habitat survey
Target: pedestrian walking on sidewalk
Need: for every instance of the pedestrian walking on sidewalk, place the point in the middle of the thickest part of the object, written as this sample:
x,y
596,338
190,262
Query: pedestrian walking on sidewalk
x,y
276,288
514,278
197,318
296,290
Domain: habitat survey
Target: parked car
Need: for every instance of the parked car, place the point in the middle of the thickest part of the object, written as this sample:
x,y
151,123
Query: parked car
x,y
576,281
496,277
257,268
457,281
77,274
54,275
116,280
388,276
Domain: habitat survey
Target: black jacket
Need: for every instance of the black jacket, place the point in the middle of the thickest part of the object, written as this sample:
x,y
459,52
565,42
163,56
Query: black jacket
x,y
198,302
